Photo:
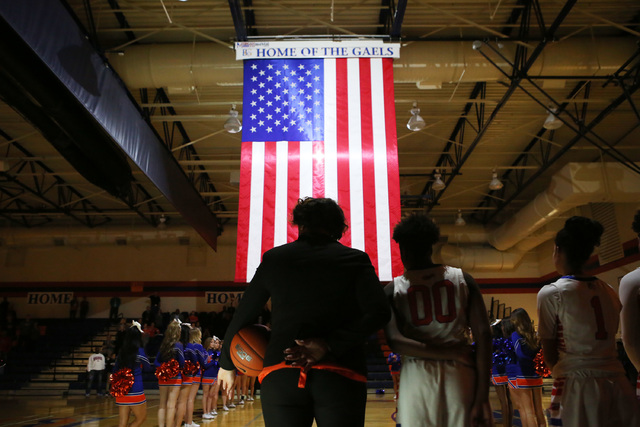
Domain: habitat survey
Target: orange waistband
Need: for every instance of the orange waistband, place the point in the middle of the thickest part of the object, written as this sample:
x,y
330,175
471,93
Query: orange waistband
x,y
327,366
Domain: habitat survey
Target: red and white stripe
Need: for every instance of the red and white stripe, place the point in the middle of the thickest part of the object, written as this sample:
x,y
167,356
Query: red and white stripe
x,y
356,165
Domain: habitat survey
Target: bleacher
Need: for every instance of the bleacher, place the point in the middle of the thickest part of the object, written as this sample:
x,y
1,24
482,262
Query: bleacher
x,y
48,365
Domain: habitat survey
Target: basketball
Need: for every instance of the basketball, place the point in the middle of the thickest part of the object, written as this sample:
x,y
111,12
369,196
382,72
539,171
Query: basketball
x,y
248,348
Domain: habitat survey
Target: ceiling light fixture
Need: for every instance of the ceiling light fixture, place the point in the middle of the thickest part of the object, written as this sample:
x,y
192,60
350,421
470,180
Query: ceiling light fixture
x,y
552,122
233,124
495,183
416,122
162,222
459,220
438,184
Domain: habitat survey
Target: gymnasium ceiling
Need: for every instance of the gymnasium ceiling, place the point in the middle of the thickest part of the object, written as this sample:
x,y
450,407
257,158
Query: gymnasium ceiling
x,y
484,107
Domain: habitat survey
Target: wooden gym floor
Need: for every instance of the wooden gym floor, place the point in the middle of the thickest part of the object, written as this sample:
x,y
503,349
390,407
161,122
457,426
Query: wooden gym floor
x,y
97,411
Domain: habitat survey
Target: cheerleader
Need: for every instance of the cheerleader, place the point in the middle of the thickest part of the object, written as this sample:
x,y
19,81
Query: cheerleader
x,y
194,353
499,376
210,386
187,380
171,351
579,317
131,360
524,381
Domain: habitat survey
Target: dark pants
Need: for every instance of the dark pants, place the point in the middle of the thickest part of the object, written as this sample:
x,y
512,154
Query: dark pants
x,y
90,377
333,400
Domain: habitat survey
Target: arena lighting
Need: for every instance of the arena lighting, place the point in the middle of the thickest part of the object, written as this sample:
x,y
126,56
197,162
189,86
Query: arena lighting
x,y
162,222
459,220
233,125
495,183
552,122
416,122
438,185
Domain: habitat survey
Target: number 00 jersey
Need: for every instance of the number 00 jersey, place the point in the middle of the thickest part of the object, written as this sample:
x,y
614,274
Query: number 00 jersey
x,y
431,305
582,315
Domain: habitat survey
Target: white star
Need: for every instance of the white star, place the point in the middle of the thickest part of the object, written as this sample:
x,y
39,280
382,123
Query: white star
x,y
285,129
308,122
293,98
309,97
261,123
278,72
286,66
316,67
285,116
254,67
278,85
300,129
270,66
277,110
301,116
308,110
300,79
253,117
285,79
317,103
308,73
292,122
269,91
260,110
277,98
301,91
277,123
285,103
285,91
317,116
301,67
317,91
301,103
253,129
269,103
293,72
253,103
293,85
317,129
261,85
254,79
269,116
261,98
262,72
254,91
309,85
316,78
268,130
269,78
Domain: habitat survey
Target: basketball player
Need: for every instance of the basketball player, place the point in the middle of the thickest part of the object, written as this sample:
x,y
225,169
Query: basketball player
x,y
579,316
434,306
315,363
630,317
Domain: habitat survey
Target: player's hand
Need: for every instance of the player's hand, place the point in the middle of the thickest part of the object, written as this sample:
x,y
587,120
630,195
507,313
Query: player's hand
x,y
307,352
481,415
227,379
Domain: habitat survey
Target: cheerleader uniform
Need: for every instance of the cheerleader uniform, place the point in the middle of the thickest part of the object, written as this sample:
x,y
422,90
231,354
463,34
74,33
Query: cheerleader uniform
x,y
136,393
523,371
499,363
194,354
211,367
178,355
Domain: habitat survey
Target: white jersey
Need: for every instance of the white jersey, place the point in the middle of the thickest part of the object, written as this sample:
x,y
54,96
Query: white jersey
x,y
583,316
630,316
431,305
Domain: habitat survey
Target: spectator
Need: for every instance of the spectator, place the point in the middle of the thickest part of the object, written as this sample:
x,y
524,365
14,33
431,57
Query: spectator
x,y
114,309
630,316
95,368
73,308
395,363
84,308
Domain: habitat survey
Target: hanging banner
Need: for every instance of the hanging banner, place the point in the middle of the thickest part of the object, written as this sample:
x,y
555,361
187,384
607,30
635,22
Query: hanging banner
x,y
316,49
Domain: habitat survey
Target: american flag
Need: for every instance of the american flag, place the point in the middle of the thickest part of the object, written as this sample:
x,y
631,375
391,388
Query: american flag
x,y
319,128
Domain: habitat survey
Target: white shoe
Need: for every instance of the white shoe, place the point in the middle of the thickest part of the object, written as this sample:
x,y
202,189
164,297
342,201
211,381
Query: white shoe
x,y
194,425
207,416
231,405
213,413
241,402
225,408
249,399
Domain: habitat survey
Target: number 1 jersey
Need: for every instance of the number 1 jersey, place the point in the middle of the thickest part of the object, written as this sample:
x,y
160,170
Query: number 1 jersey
x,y
582,315
431,305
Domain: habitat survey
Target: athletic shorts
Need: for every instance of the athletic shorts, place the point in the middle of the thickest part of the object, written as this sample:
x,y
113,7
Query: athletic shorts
x,y
525,382
499,379
588,401
208,380
435,393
